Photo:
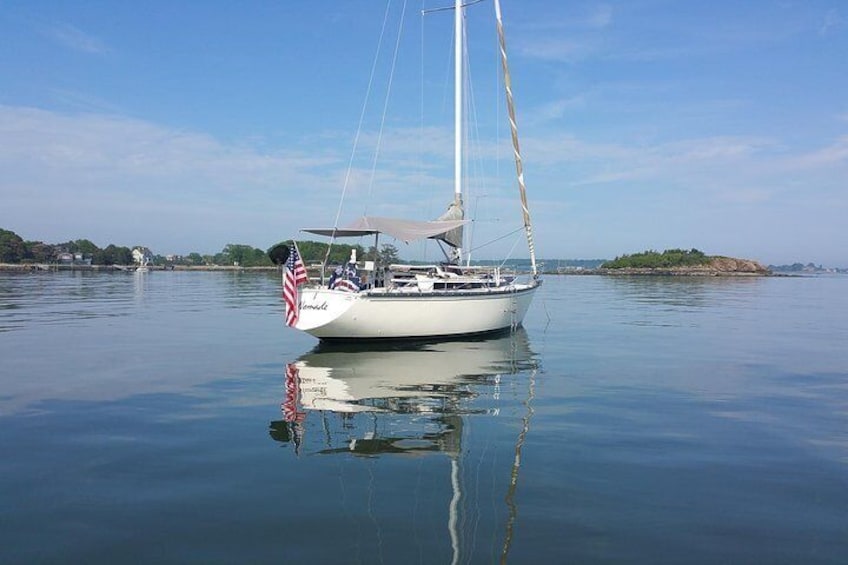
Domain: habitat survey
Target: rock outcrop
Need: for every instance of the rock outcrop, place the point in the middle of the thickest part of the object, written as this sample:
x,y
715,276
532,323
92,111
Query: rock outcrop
x,y
717,266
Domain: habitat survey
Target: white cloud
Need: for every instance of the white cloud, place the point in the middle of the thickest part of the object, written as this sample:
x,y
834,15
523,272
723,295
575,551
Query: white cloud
x,y
601,17
830,21
559,48
114,179
119,180
556,109
76,39
74,174
83,101
834,154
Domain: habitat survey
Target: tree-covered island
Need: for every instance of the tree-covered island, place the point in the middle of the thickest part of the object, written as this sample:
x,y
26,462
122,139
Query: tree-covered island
x,y
681,262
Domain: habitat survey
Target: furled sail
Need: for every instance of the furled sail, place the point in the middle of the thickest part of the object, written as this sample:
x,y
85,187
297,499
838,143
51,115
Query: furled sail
x,y
452,214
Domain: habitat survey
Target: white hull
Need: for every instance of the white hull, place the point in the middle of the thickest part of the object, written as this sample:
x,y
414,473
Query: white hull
x,y
380,314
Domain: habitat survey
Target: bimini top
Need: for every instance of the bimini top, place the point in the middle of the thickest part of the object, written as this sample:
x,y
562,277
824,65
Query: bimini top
x,y
404,230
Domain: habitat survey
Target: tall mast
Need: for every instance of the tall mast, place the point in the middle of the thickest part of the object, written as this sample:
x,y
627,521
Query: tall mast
x,y
457,109
457,101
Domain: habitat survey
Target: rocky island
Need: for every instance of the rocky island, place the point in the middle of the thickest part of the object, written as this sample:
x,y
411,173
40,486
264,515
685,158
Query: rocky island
x,y
679,262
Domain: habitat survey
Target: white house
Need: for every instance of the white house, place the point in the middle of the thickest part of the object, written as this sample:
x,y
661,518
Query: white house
x,y
142,256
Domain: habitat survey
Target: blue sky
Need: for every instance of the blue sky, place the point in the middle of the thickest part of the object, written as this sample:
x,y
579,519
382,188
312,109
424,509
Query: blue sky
x,y
645,124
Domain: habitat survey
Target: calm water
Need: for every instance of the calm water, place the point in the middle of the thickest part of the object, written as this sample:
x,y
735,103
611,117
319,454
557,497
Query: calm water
x,y
171,418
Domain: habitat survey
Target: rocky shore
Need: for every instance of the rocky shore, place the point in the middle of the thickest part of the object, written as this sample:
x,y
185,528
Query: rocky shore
x,y
717,267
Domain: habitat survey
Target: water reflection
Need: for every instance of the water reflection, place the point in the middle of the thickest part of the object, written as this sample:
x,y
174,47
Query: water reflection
x,y
683,292
435,381
468,401
102,336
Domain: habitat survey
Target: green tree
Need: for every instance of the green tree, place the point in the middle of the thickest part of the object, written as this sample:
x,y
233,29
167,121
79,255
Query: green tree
x,y
243,255
315,251
86,247
113,255
388,254
235,253
40,252
194,258
12,248
83,246
651,259
122,255
258,258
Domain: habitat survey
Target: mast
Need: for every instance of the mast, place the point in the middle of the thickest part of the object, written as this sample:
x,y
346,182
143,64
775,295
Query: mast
x,y
513,126
457,111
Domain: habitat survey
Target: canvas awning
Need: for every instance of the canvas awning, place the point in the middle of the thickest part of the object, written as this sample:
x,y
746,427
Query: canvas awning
x,y
404,230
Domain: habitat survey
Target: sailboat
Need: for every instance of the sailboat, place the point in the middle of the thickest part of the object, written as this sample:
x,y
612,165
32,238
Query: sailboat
x,y
367,300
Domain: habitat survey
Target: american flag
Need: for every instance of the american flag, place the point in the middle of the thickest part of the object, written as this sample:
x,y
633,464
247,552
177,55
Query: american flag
x,y
346,285
294,276
346,279
289,405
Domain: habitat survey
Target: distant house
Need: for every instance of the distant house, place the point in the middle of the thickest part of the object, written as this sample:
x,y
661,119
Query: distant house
x,y
142,256
65,258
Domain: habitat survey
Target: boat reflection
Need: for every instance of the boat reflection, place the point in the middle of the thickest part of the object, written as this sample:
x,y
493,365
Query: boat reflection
x,y
437,382
402,400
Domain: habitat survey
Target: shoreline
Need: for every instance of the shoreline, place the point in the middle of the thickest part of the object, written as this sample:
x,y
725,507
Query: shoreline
x,y
640,272
47,267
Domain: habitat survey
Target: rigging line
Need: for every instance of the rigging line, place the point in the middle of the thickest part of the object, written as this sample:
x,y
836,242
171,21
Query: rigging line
x,y
370,511
341,477
477,160
415,526
496,401
385,107
356,137
513,232
471,247
513,479
508,255
448,68
446,93
422,169
447,8
475,512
